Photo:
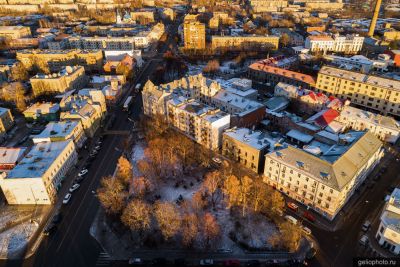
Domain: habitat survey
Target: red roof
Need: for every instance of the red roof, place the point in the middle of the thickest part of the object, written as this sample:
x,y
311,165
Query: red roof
x,y
327,117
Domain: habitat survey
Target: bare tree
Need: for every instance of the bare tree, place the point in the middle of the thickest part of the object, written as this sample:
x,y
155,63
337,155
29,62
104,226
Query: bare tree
x,y
211,184
211,229
199,201
19,73
141,186
246,187
111,195
124,170
190,229
232,190
137,216
168,218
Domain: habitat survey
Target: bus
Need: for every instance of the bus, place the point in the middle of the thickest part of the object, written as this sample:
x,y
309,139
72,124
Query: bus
x,y
127,103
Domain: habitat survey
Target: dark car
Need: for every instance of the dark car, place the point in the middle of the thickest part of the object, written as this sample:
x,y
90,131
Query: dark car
x,y
159,262
49,229
253,263
57,218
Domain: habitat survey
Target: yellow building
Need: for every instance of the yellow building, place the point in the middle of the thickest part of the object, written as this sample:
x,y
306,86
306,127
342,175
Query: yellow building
x,y
368,91
91,60
143,16
391,35
244,42
6,120
67,79
194,33
15,32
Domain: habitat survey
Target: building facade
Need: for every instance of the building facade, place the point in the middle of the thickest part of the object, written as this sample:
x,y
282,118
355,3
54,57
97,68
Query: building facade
x,y
324,180
350,44
6,120
15,32
194,33
239,43
368,91
67,79
36,179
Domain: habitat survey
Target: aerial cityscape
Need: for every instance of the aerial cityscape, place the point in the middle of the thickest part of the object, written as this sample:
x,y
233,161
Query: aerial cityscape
x,y
199,133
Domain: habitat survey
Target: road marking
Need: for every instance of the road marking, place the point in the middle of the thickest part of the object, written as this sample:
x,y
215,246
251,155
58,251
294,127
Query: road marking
x,y
105,158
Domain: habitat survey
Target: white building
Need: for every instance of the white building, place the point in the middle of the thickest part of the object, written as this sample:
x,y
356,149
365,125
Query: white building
x,y
62,131
323,176
388,234
349,44
385,128
202,123
358,63
36,179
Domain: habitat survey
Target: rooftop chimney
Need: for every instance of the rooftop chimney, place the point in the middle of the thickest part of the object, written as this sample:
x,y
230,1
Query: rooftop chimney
x,y
374,18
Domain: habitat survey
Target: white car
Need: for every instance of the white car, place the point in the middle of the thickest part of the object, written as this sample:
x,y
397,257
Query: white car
x,y
366,226
67,198
217,160
74,187
135,261
83,172
97,147
364,240
291,219
306,230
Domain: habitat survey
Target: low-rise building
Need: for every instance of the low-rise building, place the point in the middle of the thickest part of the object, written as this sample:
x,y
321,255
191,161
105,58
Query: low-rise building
x,y
350,44
385,128
388,234
324,177
271,76
42,112
247,147
37,177
15,32
358,63
6,120
200,122
56,60
244,42
10,157
62,131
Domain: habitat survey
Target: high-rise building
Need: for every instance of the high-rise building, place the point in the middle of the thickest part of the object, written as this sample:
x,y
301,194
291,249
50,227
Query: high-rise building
x,y
194,33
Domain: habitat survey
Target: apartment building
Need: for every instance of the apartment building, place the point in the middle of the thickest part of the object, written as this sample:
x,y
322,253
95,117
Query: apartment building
x,y
247,147
194,33
67,79
62,131
368,91
262,73
6,120
296,39
324,177
15,32
244,112
261,6
385,128
36,179
202,123
388,234
244,42
56,60
349,44
81,108
358,63
143,16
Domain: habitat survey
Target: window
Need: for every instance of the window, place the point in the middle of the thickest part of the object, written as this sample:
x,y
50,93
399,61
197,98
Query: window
x,y
327,205
381,230
331,191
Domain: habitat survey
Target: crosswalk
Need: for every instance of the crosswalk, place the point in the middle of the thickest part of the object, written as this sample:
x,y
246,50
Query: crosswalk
x,y
103,260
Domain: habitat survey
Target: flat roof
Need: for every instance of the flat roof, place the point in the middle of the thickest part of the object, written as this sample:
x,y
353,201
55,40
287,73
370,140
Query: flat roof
x,y
58,129
255,139
10,155
43,108
38,160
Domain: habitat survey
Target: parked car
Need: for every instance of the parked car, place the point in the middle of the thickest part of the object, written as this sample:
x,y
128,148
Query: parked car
x,y
291,219
57,218
135,261
364,240
231,263
293,206
74,187
309,216
206,262
366,226
253,263
49,229
79,179
97,148
67,198
306,230
83,172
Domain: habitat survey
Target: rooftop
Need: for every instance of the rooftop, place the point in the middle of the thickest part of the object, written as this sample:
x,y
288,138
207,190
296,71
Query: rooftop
x,y
255,139
10,155
58,129
43,108
68,70
38,160
260,66
335,166
361,78
3,111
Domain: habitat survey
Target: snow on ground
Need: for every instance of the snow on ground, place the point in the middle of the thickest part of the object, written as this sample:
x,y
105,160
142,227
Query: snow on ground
x,y
16,238
136,155
169,192
11,213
